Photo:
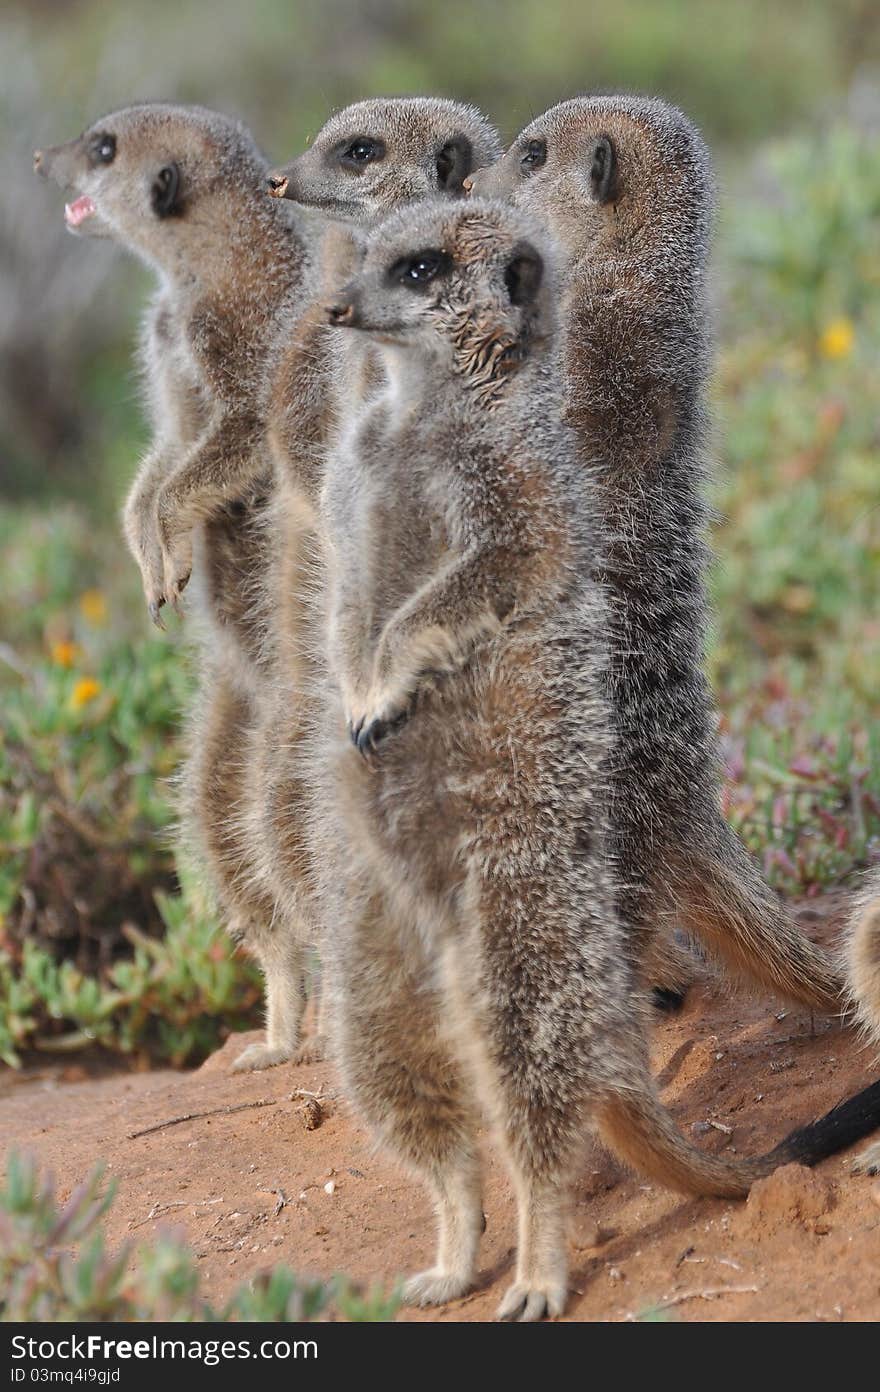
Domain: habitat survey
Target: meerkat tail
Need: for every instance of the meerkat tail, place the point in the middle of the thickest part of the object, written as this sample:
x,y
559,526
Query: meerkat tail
x,y
863,959
640,1132
639,1129
669,971
726,903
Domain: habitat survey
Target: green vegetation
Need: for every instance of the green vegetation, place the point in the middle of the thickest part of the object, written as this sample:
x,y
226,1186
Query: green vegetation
x,y
54,1265
797,581
102,941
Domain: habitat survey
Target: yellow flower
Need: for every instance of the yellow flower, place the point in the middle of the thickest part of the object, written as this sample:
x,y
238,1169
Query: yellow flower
x,y
93,607
85,690
798,599
837,338
64,654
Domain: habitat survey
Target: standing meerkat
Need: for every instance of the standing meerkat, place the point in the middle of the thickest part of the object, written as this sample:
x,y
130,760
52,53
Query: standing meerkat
x,y
367,159
184,188
475,954
625,186
863,974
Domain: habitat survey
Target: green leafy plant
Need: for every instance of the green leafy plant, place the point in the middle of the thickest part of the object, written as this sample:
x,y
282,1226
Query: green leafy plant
x,y
55,1265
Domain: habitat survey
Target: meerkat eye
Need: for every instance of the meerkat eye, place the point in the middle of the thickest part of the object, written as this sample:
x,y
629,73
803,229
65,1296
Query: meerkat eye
x,y
103,149
534,155
363,150
418,270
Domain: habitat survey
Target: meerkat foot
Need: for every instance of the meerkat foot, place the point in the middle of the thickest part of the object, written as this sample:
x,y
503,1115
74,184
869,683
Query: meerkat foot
x,y
868,1161
263,1055
435,1287
525,1302
312,1050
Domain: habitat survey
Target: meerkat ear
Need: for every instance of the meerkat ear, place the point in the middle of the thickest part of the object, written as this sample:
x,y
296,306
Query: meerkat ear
x,y
603,170
166,191
455,161
523,274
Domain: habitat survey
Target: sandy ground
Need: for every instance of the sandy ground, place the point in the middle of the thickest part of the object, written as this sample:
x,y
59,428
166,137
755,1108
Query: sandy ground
x,y
737,1074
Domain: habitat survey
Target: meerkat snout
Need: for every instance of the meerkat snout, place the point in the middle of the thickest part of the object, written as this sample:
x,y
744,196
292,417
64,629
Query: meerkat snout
x,y
342,314
468,184
276,184
38,161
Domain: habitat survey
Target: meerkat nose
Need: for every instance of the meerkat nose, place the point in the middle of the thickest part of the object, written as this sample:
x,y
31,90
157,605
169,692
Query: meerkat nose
x,y
38,161
277,185
468,184
340,313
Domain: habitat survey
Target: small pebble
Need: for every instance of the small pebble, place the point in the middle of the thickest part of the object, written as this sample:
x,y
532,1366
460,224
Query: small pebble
x,y
330,1187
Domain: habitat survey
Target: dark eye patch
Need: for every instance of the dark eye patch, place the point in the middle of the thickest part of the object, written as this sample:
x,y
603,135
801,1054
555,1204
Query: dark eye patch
x,y
421,268
361,151
534,155
102,149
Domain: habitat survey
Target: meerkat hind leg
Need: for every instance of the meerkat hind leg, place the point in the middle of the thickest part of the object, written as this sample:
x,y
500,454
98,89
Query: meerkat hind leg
x,y
457,1206
540,1286
524,1070
313,1049
284,971
398,1069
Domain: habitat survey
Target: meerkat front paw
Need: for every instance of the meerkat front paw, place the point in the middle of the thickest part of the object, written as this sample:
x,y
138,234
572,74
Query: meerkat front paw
x,y
178,560
153,578
526,1302
868,1161
154,593
435,1287
370,731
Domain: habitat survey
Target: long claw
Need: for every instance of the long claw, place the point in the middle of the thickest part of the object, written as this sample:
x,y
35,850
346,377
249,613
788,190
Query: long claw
x,y
154,607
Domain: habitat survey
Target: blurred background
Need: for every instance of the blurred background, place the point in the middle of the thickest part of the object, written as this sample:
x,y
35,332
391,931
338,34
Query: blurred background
x,y
104,937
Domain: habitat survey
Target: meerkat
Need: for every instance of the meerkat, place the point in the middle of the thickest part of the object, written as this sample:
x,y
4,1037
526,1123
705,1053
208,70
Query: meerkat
x,y
625,186
476,955
863,975
233,275
369,158
184,189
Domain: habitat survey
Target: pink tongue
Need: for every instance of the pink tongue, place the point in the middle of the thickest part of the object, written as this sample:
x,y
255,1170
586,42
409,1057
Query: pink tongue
x,y
77,211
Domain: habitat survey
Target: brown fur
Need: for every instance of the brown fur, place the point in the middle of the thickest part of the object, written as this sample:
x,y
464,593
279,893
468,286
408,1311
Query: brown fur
x,y
626,189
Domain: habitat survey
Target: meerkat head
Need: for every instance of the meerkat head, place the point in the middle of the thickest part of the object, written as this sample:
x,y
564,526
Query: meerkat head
x,y
144,174
376,155
470,285
619,171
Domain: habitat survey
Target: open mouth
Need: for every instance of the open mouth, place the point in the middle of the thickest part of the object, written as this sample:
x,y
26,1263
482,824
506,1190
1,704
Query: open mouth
x,y
75,213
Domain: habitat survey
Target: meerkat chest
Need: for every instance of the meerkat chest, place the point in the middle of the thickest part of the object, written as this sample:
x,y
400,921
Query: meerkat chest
x,y
385,507
224,343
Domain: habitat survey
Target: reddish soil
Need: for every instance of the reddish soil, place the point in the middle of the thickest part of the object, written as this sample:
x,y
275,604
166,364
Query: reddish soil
x,y
806,1246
